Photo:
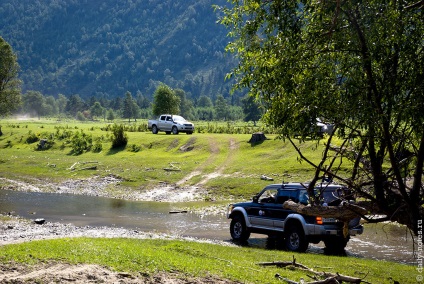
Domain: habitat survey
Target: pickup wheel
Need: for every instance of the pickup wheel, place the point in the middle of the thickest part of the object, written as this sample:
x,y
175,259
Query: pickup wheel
x,y
154,129
295,239
174,130
238,229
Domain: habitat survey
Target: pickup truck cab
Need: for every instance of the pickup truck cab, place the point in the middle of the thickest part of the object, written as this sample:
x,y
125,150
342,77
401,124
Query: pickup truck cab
x,y
265,215
170,124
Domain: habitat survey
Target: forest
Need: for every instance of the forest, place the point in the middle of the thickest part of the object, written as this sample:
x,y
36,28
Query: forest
x,y
104,49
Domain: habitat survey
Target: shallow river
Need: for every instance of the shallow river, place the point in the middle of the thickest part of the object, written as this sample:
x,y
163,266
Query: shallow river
x,y
379,241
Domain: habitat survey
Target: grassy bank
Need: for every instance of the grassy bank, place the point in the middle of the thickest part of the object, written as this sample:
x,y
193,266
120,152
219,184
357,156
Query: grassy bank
x,y
147,257
150,159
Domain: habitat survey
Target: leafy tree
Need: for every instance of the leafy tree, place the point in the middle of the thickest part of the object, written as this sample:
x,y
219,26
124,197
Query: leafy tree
x,y
96,110
34,103
221,107
10,96
74,105
165,101
51,107
251,109
205,113
61,103
110,115
129,108
357,65
186,105
204,101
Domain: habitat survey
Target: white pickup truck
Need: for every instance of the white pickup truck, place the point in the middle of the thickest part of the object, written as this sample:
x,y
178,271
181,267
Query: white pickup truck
x,y
170,124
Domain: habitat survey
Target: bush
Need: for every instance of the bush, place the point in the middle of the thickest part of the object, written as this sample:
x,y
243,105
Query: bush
x,y
119,137
97,147
81,142
134,148
32,138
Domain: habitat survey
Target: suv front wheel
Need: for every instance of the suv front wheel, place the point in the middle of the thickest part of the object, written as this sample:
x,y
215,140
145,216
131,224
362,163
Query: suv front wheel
x,y
239,230
295,239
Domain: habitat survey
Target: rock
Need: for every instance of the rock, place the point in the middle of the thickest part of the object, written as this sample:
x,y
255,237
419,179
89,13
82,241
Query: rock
x,y
39,221
257,137
264,177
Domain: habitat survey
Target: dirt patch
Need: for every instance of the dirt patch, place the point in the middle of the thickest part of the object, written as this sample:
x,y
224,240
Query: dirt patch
x,y
173,144
189,145
87,273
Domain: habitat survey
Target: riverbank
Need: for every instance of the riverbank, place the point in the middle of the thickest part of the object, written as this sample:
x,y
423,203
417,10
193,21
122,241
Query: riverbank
x,y
57,253
15,230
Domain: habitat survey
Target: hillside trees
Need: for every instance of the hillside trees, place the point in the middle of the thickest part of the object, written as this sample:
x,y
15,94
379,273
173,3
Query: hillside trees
x,y
10,97
165,101
130,108
357,65
82,47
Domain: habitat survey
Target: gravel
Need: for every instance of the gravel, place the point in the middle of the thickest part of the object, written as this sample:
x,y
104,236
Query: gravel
x,y
14,229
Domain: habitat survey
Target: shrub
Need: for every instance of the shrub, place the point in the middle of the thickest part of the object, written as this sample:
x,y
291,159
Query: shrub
x,y
32,138
134,148
81,142
119,137
97,147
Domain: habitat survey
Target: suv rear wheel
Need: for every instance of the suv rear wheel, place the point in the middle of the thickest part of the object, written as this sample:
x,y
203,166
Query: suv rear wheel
x,y
336,244
295,239
154,129
239,230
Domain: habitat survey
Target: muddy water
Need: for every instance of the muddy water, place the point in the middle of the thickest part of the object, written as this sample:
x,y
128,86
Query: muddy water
x,y
379,241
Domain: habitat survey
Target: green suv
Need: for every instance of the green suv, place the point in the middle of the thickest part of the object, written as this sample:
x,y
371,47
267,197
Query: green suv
x,y
265,215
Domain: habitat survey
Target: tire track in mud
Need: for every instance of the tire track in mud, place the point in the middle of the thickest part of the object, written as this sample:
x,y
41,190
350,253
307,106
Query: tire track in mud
x,y
215,151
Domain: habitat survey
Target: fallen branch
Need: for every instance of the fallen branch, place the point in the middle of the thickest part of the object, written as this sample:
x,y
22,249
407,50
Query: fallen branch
x,y
173,168
329,278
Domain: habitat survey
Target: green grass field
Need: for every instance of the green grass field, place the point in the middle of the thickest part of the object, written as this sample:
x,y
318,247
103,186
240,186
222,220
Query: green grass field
x,y
148,257
237,164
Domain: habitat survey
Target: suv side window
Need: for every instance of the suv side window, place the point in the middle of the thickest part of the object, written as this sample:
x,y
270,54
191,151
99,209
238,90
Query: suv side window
x,y
268,196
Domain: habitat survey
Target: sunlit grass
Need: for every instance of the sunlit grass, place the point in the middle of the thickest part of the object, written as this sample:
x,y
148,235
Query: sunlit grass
x,y
148,257
147,159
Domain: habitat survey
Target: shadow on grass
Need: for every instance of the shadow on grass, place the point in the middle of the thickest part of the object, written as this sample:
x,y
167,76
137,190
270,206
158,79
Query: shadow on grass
x,y
113,151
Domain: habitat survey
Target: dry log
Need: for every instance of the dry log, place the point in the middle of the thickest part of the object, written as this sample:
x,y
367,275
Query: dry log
x,y
330,278
89,168
344,212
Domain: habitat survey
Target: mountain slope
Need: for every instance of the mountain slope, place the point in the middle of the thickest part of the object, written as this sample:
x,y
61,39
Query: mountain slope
x,y
105,48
